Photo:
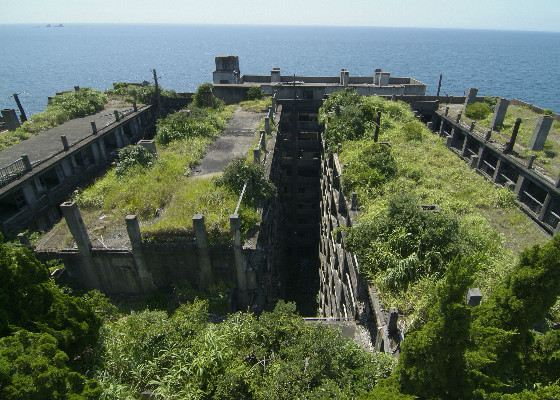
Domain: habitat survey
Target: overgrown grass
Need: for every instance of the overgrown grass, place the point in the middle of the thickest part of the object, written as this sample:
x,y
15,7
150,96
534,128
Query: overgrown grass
x,y
429,172
259,105
63,108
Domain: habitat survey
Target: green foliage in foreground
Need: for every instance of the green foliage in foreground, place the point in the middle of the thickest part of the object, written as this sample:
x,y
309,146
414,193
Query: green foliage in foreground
x,y
491,350
131,156
238,172
478,111
42,332
63,108
275,356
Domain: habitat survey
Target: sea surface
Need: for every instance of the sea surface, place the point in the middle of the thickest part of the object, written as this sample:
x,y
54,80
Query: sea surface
x,y
37,61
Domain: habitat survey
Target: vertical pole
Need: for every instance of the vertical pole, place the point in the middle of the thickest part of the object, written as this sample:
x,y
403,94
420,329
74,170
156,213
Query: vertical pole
x,y
157,96
135,236
439,85
377,127
21,110
511,143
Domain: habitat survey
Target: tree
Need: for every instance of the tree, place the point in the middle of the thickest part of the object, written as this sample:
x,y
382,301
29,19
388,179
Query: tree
x,y
432,364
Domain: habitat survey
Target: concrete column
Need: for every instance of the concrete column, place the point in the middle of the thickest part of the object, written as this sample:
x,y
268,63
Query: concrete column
x,y
26,162
384,78
206,277
480,156
458,119
531,161
441,127
465,146
64,141
10,119
446,111
101,146
499,114
96,153
257,155
346,78
473,163
376,75
240,270
275,75
541,132
134,106
28,193
544,208
471,96
498,170
117,115
79,232
93,127
135,236
67,167
274,101
267,125
488,136
262,140
519,186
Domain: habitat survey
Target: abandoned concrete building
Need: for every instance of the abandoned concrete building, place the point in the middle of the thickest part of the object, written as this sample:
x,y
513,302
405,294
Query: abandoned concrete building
x,y
36,175
298,251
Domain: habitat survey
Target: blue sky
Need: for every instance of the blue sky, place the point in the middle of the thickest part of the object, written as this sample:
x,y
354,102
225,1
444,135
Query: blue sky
x,y
539,15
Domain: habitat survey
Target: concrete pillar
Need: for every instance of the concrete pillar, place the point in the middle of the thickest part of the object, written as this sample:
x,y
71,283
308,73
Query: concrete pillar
x,y
101,146
119,138
441,127
474,297
519,186
473,163
10,119
26,162
446,111
459,116
499,114
135,236
64,141
97,158
240,270
480,156
117,115
376,75
134,106
346,78
498,170
257,155
267,125
384,78
531,161
488,136
473,125
541,132
342,76
510,145
471,96
275,75
465,146
205,262
544,208
28,193
93,127
77,228
275,101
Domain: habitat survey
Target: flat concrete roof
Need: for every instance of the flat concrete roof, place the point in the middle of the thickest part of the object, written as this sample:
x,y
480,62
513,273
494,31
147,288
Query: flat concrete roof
x,y
46,144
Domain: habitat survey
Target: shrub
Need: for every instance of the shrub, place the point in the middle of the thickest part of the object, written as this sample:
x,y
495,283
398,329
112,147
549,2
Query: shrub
x,y
239,172
134,155
204,97
413,130
367,165
179,126
254,93
478,111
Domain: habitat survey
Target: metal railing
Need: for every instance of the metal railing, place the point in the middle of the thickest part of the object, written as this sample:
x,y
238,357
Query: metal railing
x,y
12,172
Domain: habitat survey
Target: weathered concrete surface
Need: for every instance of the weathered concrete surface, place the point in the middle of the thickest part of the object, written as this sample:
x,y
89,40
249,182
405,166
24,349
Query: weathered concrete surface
x,y
47,143
234,142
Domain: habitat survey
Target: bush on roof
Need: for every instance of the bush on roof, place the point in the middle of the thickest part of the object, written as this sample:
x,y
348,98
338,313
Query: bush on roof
x,y
134,155
478,111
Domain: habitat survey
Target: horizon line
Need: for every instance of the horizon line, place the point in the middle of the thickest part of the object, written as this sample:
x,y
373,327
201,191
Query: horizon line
x,y
39,24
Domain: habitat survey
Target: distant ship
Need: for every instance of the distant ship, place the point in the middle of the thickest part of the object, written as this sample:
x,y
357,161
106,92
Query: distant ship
x,y
55,26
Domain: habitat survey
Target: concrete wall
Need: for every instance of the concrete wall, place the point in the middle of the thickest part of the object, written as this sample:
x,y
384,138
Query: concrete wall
x,y
537,195
345,293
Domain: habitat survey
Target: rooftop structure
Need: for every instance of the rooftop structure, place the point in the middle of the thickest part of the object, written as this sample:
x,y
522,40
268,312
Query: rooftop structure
x,y
39,173
232,87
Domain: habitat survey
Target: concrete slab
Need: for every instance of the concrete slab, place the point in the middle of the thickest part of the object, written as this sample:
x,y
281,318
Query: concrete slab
x,y
235,141
48,143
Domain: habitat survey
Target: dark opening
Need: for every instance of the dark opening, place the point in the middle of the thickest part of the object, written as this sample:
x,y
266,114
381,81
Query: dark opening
x,y
11,204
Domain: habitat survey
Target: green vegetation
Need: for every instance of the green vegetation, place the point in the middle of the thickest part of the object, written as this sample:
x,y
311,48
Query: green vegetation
x,y
241,171
132,156
425,258
141,93
275,356
400,247
254,93
43,332
258,105
478,111
204,97
63,107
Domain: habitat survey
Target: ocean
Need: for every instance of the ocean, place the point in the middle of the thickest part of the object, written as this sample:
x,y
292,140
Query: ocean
x,y
36,61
